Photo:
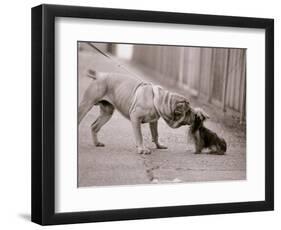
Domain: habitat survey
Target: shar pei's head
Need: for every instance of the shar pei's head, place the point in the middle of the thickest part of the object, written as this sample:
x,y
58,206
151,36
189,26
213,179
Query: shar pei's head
x,y
173,108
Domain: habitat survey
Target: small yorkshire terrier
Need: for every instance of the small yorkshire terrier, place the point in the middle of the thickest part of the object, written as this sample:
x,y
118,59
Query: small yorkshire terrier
x,y
203,137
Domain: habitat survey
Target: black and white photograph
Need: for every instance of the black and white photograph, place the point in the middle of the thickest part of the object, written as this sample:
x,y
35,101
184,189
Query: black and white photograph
x,y
160,114
141,114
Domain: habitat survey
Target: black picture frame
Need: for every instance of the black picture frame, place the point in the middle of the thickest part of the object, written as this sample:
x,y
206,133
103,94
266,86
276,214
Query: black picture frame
x,y
43,114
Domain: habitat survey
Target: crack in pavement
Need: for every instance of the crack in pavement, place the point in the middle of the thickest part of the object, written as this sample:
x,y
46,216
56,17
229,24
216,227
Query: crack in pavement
x,y
149,168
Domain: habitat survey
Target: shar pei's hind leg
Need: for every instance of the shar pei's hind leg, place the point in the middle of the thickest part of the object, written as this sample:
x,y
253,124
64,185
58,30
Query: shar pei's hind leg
x,y
106,111
93,94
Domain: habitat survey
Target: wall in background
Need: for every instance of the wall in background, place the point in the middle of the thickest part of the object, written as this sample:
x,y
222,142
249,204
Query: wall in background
x,y
215,74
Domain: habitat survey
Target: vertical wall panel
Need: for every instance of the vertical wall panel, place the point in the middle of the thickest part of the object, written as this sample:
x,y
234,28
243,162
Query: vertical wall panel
x,y
206,70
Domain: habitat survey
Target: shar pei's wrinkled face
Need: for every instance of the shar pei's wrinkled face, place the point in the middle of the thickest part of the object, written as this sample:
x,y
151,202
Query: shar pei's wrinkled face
x,y
183,114
175,109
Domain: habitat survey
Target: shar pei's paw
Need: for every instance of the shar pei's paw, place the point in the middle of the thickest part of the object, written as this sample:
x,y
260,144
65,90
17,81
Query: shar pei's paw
x,y
99,144
160,146
143,150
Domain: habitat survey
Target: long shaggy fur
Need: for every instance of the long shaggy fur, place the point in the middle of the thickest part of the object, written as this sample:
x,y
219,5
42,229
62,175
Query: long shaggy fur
x,y
203,137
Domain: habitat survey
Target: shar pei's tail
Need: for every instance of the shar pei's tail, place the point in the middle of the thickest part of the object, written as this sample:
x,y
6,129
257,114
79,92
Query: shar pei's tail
x,y
92,74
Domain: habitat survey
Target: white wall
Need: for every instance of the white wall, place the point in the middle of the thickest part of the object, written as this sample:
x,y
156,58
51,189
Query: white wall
x,y
124,51
15,114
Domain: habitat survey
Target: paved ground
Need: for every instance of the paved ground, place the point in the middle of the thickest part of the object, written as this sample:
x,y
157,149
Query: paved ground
x,y
119,164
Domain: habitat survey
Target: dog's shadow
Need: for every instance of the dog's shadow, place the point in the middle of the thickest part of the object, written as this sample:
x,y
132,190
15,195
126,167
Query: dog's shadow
x,y
215,153
210,153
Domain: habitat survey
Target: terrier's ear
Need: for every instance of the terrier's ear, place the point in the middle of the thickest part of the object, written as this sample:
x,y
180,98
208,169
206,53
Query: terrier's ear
x,y
206,115
202,114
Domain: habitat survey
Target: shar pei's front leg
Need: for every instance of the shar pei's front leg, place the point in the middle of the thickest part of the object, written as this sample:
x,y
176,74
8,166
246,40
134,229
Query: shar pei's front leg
x,y
141,149
154,133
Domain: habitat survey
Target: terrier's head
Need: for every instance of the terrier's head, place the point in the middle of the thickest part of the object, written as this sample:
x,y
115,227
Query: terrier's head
x,y
199,117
